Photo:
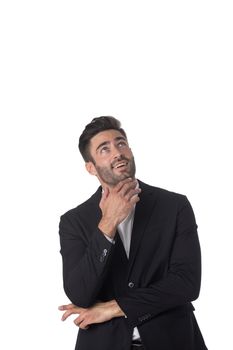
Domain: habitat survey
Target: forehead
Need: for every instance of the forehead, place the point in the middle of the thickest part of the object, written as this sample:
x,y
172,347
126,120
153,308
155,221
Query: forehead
x,y
105,136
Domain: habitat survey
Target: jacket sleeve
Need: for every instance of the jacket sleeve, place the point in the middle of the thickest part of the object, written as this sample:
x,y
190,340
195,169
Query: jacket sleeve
x,y
181,283
85,261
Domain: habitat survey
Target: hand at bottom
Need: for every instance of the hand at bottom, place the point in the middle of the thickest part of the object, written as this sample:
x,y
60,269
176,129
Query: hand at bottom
x,y
98,313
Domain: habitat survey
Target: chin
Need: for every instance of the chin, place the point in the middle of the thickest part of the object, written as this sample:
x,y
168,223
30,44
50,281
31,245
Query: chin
x,y
124,176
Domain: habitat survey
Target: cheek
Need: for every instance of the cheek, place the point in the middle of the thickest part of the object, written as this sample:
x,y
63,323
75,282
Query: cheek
x,y
103,163
129,154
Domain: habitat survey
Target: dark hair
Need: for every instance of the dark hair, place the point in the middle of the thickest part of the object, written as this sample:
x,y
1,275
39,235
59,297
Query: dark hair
x,y
94,127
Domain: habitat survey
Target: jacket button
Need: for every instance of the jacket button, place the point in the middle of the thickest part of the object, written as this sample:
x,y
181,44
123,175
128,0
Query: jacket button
x,y
103,255
131,284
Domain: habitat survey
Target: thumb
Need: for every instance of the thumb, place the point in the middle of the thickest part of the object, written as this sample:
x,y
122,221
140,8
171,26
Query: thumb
x,y
105,193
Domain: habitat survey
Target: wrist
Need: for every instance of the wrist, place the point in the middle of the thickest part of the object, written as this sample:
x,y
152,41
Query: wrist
x,y
108,228
115,309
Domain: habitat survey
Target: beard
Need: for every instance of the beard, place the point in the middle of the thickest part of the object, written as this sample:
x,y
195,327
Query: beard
x,y
108,176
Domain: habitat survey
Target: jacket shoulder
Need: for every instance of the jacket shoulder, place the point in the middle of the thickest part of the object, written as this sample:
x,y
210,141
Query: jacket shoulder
x,y
83,208
165,195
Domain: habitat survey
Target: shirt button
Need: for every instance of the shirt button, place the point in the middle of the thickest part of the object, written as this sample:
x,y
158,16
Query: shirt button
x,y
131,284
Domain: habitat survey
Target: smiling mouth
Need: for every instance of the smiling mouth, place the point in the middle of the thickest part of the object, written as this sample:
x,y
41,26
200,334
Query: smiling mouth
x,y
120,165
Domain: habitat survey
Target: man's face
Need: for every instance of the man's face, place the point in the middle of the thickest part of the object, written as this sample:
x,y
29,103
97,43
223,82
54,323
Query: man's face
x,y
113,160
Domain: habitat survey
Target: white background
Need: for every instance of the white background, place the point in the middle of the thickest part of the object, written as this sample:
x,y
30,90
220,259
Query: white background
x,y
164,68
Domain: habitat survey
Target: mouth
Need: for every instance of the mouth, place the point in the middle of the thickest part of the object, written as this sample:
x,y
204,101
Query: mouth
x,y
120,165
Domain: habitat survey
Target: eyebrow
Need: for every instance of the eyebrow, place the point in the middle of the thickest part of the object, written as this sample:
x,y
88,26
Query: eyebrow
x,y
118,138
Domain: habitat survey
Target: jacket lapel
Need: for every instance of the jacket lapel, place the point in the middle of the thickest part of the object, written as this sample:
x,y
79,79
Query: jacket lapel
x,y
143,212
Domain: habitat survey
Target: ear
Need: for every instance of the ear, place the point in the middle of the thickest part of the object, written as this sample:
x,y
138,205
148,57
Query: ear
x,y
90,167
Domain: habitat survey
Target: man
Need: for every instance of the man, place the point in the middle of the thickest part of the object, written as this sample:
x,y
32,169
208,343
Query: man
x,y
131,255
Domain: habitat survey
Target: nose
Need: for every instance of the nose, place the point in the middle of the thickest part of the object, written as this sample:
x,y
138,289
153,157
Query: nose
x,y
116,152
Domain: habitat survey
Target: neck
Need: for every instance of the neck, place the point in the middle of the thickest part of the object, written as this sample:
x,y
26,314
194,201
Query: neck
x,y
109,186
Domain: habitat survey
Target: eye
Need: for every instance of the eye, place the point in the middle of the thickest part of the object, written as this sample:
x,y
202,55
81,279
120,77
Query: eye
x,y
104,149
122,144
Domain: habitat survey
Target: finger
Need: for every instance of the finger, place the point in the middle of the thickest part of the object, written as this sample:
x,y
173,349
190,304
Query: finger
x,y
126,188
66,307
134,199
68,313
120,185
84,324
132,193
129,190
105,193
78,320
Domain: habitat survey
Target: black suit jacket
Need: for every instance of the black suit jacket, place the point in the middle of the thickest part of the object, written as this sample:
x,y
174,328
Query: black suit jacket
x,y
154,287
